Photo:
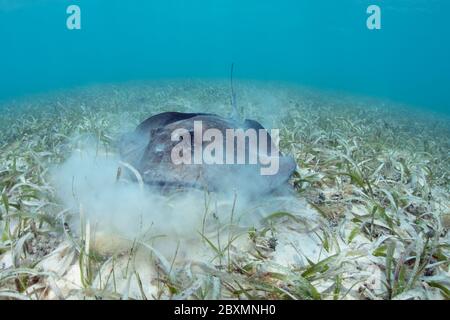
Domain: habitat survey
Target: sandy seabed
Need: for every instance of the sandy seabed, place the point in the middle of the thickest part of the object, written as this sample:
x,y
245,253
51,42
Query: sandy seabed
x,y
366,215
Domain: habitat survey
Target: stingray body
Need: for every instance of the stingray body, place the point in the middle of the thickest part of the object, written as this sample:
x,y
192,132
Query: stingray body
x,y
149,150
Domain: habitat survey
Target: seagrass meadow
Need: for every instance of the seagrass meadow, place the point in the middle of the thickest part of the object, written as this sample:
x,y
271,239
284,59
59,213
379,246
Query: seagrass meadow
x,y
366,215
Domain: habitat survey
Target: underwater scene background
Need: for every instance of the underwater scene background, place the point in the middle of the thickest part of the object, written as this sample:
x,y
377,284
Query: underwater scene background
x,y
324,44
363,115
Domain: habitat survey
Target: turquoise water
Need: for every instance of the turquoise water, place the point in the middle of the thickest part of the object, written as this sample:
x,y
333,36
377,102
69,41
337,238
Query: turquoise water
x,y
324,44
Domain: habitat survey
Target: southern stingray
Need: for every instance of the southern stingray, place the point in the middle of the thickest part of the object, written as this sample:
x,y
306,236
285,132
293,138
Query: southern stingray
x,y
149,150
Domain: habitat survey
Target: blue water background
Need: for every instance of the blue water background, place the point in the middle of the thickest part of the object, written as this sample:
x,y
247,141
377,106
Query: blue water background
x,y
317,43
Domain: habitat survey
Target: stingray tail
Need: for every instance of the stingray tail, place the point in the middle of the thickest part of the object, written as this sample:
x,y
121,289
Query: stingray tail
x,y
235,113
